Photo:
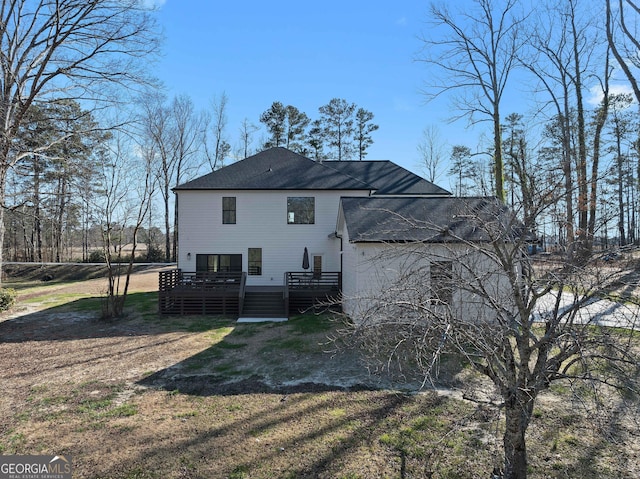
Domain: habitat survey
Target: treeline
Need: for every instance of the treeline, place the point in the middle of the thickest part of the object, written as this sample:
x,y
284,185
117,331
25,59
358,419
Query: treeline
x,y
534,166
568,161
75,172
342,131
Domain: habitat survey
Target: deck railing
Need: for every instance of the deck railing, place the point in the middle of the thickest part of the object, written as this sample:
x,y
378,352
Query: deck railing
x,y
224,293
205,291
314,280
304,290
285,295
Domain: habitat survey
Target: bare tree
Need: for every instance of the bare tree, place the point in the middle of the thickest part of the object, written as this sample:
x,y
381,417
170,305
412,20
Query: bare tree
x,y
476,57
175,130
127,183
471,290
623,40
64,49
221,146
566,53
157,136
431,150
247,130
187,136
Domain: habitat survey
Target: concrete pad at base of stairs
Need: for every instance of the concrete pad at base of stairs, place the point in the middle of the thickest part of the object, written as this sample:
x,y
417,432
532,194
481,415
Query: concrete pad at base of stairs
x,y
262,320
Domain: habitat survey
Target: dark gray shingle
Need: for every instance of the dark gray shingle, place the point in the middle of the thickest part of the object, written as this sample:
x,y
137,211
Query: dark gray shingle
x,y
282,169
387,178
436,220
275,169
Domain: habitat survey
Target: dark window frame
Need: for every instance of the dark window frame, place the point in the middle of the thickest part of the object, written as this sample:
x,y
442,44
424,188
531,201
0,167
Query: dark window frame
x,y
254,266
229,209
218,263
441,280
302,215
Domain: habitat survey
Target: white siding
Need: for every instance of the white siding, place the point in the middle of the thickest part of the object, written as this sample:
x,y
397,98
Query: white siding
x,y
377,276
261,222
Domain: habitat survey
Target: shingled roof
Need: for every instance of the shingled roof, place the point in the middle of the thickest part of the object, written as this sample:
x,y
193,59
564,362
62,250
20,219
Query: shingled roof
x,y
282,169
429,220
387,178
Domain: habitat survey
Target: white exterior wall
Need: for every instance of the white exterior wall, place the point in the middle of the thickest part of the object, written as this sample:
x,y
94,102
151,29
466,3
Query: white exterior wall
x,y
261,222
349,269
372,285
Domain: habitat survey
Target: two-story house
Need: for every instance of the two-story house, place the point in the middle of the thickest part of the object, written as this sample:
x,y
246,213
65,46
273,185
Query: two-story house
x,y
279,224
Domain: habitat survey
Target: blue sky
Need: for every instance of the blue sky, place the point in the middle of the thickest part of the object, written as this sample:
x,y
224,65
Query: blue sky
x,y
304,54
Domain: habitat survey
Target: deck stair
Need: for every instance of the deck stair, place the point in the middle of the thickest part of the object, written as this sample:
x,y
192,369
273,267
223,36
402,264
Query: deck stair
x,y
263,303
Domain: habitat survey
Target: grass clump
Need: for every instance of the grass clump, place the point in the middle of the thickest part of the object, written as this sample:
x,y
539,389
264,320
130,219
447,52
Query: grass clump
x,y
310,324
7,298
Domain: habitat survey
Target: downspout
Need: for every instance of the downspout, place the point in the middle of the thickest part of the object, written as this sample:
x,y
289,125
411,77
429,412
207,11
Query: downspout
x,y
341,249
341,260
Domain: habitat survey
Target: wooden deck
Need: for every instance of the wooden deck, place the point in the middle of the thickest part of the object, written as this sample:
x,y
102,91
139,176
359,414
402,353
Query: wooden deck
x,y
220,294
312,291
223,294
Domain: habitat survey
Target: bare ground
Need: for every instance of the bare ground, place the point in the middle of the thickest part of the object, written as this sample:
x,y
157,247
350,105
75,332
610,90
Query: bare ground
x,y
156,397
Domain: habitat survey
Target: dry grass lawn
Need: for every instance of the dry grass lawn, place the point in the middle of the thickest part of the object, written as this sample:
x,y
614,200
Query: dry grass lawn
x,y
158,397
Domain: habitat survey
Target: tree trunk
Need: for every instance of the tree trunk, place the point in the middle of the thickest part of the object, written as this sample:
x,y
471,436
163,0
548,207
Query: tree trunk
x,y
62,205
581,166
37,224
601,118
498,162
568,185
517,414
621,208
3,190
167,225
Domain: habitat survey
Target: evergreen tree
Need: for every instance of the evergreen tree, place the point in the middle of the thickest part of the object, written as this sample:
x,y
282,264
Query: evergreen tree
x,y
338,127
274,120
363,130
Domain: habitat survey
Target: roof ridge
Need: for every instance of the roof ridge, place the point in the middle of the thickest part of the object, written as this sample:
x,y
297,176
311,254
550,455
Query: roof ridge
x,y
359,180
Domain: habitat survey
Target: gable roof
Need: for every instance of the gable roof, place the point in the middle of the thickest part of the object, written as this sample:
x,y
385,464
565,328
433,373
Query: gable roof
x,y
430,220
387,178
275,169
282,169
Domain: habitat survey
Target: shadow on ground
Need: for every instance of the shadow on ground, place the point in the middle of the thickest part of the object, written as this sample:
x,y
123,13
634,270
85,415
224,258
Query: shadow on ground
x,y
237,358
79,319
282,358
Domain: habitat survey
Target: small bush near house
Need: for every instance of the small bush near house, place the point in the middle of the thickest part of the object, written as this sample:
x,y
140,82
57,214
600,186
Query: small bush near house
x,y
7,298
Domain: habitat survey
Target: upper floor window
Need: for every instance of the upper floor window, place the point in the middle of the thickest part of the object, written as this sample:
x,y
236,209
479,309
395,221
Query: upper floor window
x,y
301,210
229,210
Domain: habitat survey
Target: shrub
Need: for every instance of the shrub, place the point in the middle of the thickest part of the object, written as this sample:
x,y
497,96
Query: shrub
x,y
7,298
155,255
96,256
